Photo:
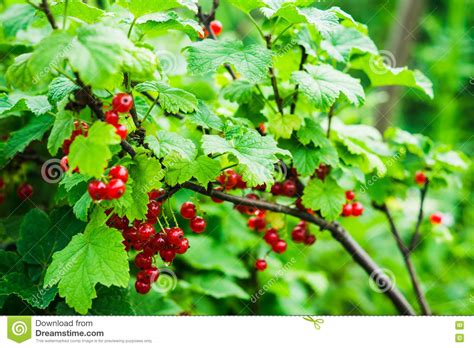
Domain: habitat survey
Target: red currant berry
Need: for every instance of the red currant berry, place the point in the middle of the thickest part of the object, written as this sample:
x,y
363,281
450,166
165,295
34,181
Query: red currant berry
x,y
217,200
111,117
228,179
155,194
143,261
350,195
154,209
198,224
277,189
241,184
131,234
420,178
216,27
322,171
138,245
115,189
271,236
122,102
66,146
257,223
183,247
310,239
347,210
145,232
279,247
158,242
24,191
97,190
64,163
119,172
261,265
357,209
148,276
175,236
188,210
167,255
289,188
436,218
121,131
298,234
142,288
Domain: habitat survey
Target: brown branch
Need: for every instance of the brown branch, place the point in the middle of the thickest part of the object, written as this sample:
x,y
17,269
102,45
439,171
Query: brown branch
x,y
330,115
420,296
44,6
340,234
273,79
416,236
304,57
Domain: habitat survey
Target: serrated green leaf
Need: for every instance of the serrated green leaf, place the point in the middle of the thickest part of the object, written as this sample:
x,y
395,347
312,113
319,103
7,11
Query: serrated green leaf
x,y
81,208
252,61
312,132
91,154
381,74
256,154
179,170
141,62
139,8
326,196
240,91
322,85
17,17
16,103
171,99
204,117
95,256
62,130
166,143
282,126
78,9
60,88
20,76
34,130
344,42
161,23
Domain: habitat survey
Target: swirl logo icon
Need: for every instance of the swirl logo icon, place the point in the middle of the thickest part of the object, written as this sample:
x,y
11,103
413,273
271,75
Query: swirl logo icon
x,y
19,328
166,282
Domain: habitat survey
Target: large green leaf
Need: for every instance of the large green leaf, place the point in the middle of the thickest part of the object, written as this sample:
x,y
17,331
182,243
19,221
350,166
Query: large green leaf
x,y
62,130
344,42
17,17
95,256
139,7
78,9
204,117
34,130
252,61
171,99
380,74
326,196
256,154
17,102
322,85
91,154
179,170
60,88
166,143
161,23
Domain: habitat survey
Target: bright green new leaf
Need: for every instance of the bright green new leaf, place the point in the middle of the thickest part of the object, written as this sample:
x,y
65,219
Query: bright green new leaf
x,y
240,91
252,61
307,158
312,132
78,9
21,138
282,126
81,208
344,42
205,117
322,85
179,170
171,99
91,154
17,17
326,196
139,7
95,256
166,143
161,23
62,130
60,88
140,62
15,103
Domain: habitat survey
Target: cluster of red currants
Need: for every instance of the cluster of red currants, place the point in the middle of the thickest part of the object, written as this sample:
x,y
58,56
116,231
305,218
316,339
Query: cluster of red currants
x,y
196,223
114,189
286,188
121,103
80,128
216,28
352,208
301,234
277,244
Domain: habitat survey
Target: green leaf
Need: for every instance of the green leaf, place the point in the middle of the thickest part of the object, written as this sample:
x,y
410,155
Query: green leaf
x,y
92,154
179,170
139,7
17,17
17,102
382,75
252,61
171,99
240,91
154,303
217,286
78,9
34,130
69,181
60,88
98,54
451,160
322,85
312,132
307,158
62,130
344,42
111,301
204,117
348,20
161,23
282,126
19,75
165,143
326,196
81,208
255,154
20,285
41,236
141,62
95,256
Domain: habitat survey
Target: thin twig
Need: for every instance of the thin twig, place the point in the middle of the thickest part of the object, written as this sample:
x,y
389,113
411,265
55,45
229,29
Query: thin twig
x,y
416,236
339,233
273,79
330,115
304,57
44,6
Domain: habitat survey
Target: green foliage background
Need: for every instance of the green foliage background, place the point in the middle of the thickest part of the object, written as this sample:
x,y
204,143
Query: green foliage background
x,y
216,276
